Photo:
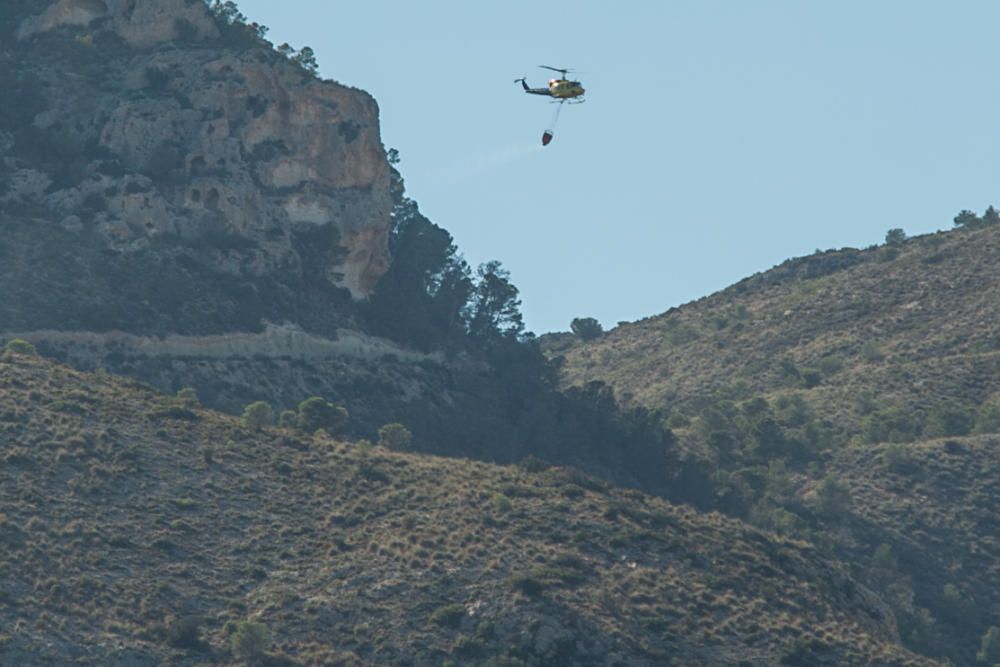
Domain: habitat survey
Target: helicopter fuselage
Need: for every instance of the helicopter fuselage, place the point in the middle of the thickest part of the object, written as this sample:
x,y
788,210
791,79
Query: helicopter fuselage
x,y
564,90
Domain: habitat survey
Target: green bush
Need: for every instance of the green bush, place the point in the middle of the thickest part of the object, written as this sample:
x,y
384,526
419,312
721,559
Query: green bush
x,y
188,398
792,410
832,498
526,583
831,364
257,415
895,236
898,458
586,328
678,420
395,436
989,647
788,370
449,616
676,332
871,351
988,418
317,413
20,346
288,419
532,463
501,503
967,219
185,633
948,419
811,377
250,641
892,424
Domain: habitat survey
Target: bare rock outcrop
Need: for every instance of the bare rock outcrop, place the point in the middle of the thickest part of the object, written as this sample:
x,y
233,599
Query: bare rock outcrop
x,y
141,23
156,123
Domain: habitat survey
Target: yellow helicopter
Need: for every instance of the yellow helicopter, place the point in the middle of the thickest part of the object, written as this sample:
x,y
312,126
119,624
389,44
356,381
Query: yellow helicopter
x,y
561,89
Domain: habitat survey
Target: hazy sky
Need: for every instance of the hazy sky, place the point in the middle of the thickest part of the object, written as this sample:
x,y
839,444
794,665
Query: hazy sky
x,y
717,140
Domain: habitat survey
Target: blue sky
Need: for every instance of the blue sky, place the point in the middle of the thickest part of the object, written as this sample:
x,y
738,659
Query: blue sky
x,y
717,140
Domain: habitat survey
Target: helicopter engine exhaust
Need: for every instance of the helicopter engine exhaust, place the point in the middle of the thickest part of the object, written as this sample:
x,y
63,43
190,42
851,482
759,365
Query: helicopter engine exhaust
x,y
547,137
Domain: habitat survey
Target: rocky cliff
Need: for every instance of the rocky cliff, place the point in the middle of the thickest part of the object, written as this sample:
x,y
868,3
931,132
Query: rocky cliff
x,y
184,204
151,134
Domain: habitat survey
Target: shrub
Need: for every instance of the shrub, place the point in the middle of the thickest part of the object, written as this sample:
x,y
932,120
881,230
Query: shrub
x,y
185,633
893,424
831,364
68,407
586,328
188,397
895,236
250,641
991,216
449,616
792,410
257,415
948,419
967,219
777,519
678,420
898,458
988,417
832,498
395,436
288,419
501,503
532,463
989,647
811,377
676,332
317,413
871,352
527,584
20,346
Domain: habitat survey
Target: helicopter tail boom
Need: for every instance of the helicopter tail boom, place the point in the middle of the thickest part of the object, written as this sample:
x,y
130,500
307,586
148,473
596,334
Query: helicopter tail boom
x,y
533,91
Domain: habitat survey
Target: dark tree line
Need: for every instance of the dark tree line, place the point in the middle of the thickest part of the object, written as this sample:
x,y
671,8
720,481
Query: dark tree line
x,y
432,300
969,220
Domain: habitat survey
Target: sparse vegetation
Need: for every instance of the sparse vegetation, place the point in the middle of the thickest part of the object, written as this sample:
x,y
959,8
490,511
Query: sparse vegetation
x,y
895,236
318,413
449,616
188,397
288,419
395,437
20,346
258,414
251,641
586,328
384,516
989,647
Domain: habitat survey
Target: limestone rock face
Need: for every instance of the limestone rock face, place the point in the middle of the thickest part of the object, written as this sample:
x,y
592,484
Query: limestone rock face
x,y
141,23
162,126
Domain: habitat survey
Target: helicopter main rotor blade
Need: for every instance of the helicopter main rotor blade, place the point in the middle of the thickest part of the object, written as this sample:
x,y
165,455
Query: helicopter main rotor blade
x,y
556,69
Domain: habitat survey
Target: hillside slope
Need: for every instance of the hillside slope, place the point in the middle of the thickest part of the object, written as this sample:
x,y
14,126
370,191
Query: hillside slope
x,y
128,517
913,323
849,398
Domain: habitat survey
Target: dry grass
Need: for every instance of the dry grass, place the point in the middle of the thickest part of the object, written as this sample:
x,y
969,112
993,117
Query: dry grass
x,y
119,533
914,331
